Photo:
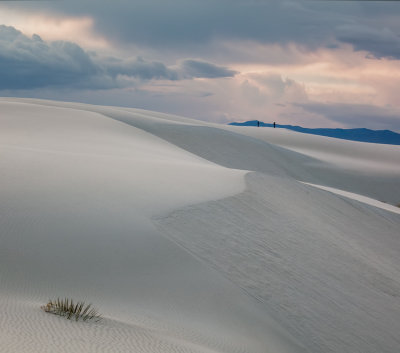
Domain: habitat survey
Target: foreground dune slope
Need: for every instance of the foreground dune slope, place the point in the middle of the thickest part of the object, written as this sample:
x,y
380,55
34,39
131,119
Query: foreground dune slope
x,y
78,192
192,237
326,266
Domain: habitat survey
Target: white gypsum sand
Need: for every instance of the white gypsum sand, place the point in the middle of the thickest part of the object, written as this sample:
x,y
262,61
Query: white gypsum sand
x,y
368,169
361,198
327,268
78,192
355,155
92,197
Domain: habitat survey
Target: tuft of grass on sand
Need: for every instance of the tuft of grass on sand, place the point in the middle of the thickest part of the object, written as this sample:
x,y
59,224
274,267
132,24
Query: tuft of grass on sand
x,y
67,308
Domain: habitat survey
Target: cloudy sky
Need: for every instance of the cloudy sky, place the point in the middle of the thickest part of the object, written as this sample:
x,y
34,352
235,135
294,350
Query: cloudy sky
x,y
302,62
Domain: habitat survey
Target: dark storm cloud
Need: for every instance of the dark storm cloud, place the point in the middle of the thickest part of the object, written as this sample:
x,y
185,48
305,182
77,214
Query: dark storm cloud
x,y
188,24
357,115
181,23
31,62
27,63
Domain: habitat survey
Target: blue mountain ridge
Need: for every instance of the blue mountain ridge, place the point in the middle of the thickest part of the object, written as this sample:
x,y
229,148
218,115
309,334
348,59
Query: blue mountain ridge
x,y
387,137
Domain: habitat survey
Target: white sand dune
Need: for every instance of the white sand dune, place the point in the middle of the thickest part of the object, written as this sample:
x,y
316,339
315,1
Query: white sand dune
x,y
156,220
365,168
361,198
353,155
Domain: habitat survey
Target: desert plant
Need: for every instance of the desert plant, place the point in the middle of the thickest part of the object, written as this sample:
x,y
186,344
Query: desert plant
x,y
66,307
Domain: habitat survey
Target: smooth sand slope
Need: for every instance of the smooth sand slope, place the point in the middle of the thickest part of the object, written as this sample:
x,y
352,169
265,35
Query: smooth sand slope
x,y
192,237
366,168
78,192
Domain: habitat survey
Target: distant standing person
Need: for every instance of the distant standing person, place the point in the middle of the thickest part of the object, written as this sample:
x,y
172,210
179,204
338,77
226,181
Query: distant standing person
x,y
274,124
258,123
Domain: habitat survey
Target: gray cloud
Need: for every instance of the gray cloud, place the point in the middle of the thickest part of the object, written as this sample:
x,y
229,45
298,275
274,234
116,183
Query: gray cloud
x,y
138,68
197,68
31,62
28,63
357,115
381,42
190,25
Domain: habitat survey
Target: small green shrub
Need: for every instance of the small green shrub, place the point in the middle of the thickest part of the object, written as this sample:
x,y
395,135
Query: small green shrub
x,y
67,308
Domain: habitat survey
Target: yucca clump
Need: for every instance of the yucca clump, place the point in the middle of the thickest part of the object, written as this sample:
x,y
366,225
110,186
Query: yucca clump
x,y
66,307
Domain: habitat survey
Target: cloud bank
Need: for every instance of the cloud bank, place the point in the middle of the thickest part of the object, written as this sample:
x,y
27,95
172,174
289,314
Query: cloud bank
x,y
28,63
188,25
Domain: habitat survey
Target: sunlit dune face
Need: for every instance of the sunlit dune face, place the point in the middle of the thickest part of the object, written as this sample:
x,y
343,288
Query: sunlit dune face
x,y
50,27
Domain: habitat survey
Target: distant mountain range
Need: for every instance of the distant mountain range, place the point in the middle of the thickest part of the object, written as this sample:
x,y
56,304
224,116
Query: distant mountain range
x,y
363,135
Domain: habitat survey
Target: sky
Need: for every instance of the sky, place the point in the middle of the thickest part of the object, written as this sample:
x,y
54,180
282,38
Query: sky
x,y
300,62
